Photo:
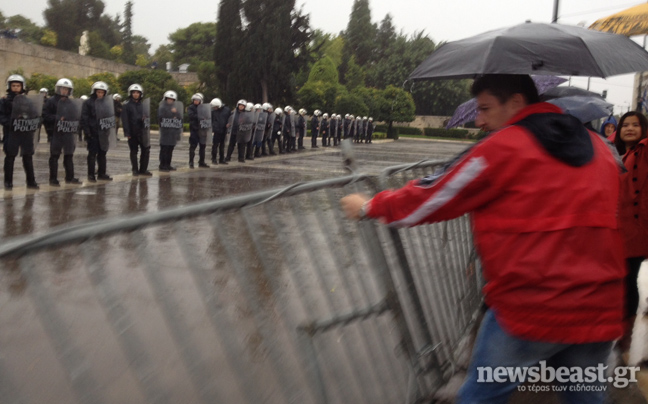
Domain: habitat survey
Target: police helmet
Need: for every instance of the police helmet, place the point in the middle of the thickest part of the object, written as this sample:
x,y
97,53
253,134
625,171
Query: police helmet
x,y
241,102
216,103
15,78
198,97
135,87
171,94
325,116
43,91
116,97
278,111
99,85
67,83
249,106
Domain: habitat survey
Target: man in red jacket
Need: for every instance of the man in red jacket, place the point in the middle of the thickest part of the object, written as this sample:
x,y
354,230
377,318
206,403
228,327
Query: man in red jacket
x,y
543,194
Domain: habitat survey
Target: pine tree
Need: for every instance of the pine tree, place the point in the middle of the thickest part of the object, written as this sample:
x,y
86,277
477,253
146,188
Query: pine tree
x,y
129,55
229,37
359,37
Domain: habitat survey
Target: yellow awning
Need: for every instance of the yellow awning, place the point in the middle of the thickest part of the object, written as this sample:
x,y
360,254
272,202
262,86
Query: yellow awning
x,y
633,21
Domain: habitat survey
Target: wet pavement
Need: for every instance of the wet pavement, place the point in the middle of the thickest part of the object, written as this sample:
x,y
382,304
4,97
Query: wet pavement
x,y
26,211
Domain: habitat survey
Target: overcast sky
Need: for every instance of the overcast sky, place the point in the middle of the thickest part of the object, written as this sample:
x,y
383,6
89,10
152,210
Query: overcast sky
x,y
445,20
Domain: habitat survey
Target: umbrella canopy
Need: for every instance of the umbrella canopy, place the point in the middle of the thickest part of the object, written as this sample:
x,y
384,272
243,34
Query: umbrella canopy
x,y
585,108
633,21
568,91
467,111
535,48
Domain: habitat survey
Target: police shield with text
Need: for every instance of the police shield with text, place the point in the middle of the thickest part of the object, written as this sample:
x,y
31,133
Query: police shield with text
x,y
20,117
170,120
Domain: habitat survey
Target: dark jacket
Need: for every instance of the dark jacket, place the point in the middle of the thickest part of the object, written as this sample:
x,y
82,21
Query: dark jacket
x,y
89,121
49,111
194,122
219,120
133,118
315,125
287,128
118,108
6,106
278,125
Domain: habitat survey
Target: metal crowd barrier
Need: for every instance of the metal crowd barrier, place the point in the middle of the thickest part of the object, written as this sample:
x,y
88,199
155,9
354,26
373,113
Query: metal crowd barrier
x,y
269,297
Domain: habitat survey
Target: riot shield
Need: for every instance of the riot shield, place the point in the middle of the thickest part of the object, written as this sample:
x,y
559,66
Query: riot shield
x,y
292,124
68,122
270,121
146,116
105,110
170,120
204,119
26,115
246,122
260,126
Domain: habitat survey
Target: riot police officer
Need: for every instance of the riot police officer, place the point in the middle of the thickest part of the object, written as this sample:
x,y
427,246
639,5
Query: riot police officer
x,y
194,137
315,126
135,118
18,132
220,115
64,114
98,122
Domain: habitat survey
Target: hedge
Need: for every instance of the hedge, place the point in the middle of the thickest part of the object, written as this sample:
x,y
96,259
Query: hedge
x,y
453,133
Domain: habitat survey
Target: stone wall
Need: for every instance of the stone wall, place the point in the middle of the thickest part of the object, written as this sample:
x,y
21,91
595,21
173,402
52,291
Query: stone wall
x,y
32,58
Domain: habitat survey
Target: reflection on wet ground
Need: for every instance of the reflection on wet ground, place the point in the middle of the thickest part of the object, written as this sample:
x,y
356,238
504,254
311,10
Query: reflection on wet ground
x,y
26,212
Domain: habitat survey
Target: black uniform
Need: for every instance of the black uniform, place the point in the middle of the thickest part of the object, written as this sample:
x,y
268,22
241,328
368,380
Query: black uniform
x,y
277,127
370,129
300,127
314,131
234,125
61,142
90,125
194,137
219,126
118,111
13,143
324,131
287,134
132,118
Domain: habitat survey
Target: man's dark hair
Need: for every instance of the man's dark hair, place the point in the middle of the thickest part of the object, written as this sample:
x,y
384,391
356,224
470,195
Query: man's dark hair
x,y
504,86
643,122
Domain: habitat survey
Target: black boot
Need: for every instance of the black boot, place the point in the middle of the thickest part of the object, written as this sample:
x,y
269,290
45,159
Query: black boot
x,y
144,162
102,167
201,156
192,154
241,152
257,151
28,164
8,171
169,157
68,164
53,167
91,168
163,164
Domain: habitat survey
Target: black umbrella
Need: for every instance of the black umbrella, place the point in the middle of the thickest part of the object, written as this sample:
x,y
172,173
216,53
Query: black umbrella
x,y
535,48
568,91
585,108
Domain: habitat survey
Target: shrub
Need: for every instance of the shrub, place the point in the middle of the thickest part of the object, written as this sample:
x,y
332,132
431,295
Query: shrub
x,y
451,133
406,130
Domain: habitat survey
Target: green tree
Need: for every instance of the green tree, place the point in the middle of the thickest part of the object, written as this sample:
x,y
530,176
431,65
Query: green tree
x,y
324,70
193,44
26,29
128,56
208,80
39,80
229,37
81,86
359,37
355,75
162,55
399,107
98,47
49,38
69,18
351,104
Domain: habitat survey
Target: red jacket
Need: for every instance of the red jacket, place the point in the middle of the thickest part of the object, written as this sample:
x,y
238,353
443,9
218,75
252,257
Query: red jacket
x,y
546,231
633,204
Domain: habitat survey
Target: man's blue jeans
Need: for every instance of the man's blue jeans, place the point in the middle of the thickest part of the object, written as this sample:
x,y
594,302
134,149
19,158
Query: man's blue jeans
x,y
494,347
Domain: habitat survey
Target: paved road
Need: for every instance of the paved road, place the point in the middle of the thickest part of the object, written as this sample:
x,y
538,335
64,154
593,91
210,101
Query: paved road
x,y
25,211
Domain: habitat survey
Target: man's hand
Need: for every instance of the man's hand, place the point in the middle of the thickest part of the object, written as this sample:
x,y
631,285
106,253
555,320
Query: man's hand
x,y
352,205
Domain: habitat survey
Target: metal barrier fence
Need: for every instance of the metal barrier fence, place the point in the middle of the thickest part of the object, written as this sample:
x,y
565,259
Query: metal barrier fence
x,y
269,297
